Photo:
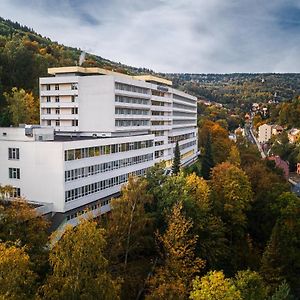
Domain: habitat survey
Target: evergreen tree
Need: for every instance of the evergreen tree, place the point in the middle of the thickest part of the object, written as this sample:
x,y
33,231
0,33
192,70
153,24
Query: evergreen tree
x,y
207,160
176,161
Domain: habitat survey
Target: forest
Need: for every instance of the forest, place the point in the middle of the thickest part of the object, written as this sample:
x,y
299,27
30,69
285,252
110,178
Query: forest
x,y
228,228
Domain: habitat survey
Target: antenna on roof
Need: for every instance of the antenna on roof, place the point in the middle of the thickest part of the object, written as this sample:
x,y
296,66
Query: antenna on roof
x,y
81,58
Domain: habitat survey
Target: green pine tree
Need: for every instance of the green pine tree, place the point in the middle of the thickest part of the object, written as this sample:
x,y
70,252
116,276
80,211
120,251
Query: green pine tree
x,y
176,160
207,160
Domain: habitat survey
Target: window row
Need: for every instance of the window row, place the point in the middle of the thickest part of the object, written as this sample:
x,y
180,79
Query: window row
x,y
88,209
176,122
184,114
181,137
128,111
125,123
74,111
189,144
57,99
184,99
182,106
101,185
124,99
80,153
13,153
14,173
105,167
73,86
131,88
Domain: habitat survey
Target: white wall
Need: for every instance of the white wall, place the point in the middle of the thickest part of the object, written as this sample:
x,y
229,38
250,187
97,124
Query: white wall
x,y
96,103
41,171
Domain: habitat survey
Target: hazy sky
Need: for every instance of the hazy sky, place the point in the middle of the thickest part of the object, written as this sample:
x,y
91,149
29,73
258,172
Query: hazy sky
x,y
188,36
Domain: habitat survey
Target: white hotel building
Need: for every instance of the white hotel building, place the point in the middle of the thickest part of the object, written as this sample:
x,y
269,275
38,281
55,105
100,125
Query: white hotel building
x,y
96,128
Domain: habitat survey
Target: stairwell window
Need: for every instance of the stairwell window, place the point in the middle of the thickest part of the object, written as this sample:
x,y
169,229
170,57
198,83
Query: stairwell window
x,y
13,153
14,173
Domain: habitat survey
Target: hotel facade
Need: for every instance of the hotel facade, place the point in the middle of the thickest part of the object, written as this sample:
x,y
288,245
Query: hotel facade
x,y
97,127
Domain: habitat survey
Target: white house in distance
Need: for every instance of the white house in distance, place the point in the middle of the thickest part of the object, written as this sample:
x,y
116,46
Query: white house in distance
x,y
264,133
97,127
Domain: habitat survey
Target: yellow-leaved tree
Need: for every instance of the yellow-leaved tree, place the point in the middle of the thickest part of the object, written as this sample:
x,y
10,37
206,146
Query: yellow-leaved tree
x,y
214,286
22,106
16,278
79,269
172,279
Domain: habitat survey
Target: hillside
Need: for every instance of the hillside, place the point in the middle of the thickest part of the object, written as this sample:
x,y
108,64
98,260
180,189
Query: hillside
x,y
26,55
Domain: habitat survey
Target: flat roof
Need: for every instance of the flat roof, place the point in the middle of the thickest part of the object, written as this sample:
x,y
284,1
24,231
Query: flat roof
x,y
101,71
155,79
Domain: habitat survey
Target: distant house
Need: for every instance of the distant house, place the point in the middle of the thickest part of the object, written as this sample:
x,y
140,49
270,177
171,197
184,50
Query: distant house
x,y
264,133
281,164
293,135
277,129
239,131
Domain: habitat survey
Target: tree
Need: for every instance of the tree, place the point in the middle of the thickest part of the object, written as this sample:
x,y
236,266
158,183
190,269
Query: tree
x,y
130,236
251,285
234,156
214,285
283,292
281,258
232,196
176,160
16,279
172,280
19,222
79,269
128,223
22,106
207,160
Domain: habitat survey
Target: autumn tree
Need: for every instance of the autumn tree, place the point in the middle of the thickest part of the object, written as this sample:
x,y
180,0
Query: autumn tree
x,y
211,244
214,285
22,106
172,280
234,156
281,259
130,236
232,196
79,268
19,222
176,160
17,281
251,285
207,159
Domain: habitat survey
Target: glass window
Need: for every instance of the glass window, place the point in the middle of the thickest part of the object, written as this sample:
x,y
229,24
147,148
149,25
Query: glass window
x,y
13,153
14,173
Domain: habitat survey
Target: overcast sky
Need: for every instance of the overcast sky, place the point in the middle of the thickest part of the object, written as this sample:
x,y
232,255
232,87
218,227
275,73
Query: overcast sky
x,y
187,36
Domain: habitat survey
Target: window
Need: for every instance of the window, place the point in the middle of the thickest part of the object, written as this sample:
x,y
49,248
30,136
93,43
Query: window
x,y
57,87
48,122
48,99
73,98
74,110
14,173
48,87
56,98
16,192
57,111
13,153
48,111
74,86
57,123
74,122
